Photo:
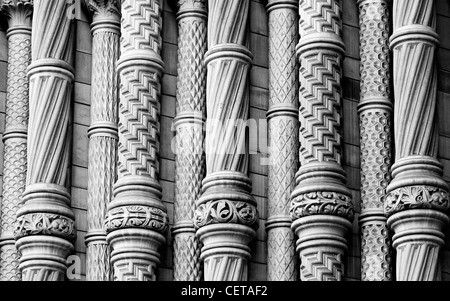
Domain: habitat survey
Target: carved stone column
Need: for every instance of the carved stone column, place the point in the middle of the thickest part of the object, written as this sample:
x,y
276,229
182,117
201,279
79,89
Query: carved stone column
x,y
321,207
137,220
45,228
103,136
283,137
18,13
190,159
226,214
417,196
375,111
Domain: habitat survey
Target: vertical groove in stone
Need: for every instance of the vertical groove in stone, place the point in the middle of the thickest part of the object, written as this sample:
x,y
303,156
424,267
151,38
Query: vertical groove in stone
x,y
137,219
45,226
103,136
283,137
226,211
19,15
417,196
321,206
190,157
375,111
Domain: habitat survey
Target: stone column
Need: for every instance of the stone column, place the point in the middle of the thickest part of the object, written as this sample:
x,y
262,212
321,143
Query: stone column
x,y
418,197
18,13
321,207
45,227
375,111
190,159
103,136
283,137
226,214
137,220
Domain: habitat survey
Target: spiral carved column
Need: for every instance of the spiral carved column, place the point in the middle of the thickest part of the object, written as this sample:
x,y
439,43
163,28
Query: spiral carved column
x,y
321,207
375,111
190,159
137,220
283,137
45,227
18,13
103,136
418,197
226,216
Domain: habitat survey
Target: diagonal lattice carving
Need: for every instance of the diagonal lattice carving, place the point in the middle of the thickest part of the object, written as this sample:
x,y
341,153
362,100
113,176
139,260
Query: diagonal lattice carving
x,y
281,261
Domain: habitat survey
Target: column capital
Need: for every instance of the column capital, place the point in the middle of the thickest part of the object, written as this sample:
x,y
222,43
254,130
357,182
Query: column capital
x,y
18,12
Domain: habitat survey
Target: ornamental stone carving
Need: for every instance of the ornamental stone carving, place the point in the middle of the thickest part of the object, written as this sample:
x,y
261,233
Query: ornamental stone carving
x,y
45,215
321,207
190,136
283,137
19,15
136,218
417,197
375,111
226,207
103,133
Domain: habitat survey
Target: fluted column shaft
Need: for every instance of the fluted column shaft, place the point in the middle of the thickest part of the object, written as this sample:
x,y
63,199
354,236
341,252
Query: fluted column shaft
x,y
19,15
137,220
226,215
283,137
418,198
321,207
190,159
45,228
375,111
103,135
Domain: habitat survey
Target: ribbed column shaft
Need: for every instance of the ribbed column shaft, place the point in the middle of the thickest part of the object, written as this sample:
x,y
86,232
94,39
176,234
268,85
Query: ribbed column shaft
x,y
19,15
45,228
226,214
190,156
321,207
283,137
137,220
375,111
417,196
103,135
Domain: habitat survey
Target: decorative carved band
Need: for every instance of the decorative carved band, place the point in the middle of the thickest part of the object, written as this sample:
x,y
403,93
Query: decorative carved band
x,y
45,224
322,202
415,197
226,212
137,217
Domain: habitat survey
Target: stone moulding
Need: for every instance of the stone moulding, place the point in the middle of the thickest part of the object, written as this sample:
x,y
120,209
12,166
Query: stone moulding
x,y
102,133
417,199
19,17
282,117
375,110
321,207
137,219
189,125
226,199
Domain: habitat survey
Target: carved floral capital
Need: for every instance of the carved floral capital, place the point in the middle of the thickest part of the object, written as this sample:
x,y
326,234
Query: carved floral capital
x,y
104,7
416,197
226,212
191,4
45,224
18,12
322,203
137,217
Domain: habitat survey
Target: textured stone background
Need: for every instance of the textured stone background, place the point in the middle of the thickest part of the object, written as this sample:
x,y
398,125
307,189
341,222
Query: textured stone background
x,y
259,103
